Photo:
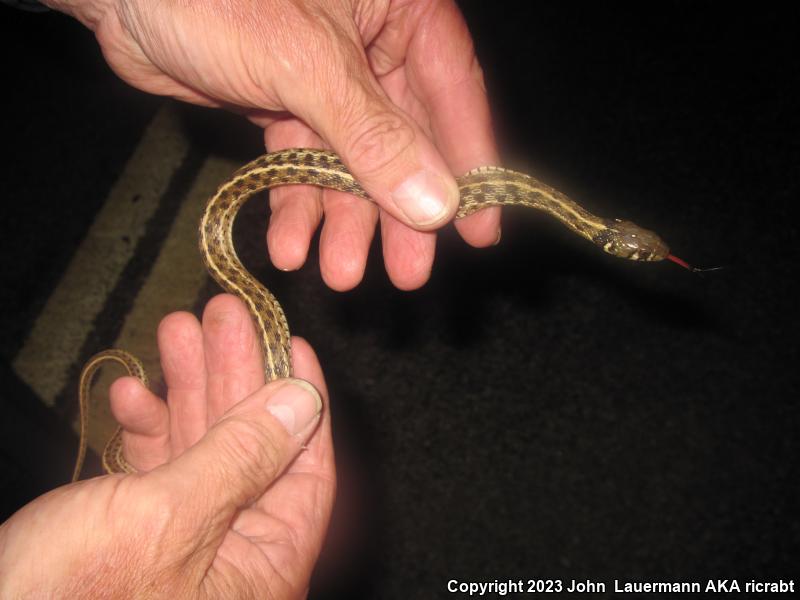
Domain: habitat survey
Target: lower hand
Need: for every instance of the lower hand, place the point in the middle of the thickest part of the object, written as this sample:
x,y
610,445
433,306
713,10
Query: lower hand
x,y
225,503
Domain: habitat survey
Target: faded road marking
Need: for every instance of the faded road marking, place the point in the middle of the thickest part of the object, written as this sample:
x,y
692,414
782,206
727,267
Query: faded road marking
x,y
60,330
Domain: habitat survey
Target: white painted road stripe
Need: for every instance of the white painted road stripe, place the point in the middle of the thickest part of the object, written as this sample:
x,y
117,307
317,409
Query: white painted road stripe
x,y
62,327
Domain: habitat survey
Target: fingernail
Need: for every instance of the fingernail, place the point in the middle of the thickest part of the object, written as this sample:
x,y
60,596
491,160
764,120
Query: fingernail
x,y
425,198
499,236
296,404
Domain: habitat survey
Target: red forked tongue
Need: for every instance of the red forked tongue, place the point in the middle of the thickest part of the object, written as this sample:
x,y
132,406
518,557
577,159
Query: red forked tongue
x,y
680,261
688,267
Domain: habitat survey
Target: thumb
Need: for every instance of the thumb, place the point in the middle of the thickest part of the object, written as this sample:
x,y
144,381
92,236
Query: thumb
x,y
246,450
386,151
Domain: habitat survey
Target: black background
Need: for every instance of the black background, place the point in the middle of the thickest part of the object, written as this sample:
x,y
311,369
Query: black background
x,y
538,410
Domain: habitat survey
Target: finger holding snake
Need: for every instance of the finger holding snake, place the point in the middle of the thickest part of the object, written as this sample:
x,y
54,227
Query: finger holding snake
x,y
208,367
387,84
422,62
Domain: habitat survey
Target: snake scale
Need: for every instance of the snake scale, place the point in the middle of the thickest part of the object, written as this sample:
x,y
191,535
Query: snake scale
x,y
479,188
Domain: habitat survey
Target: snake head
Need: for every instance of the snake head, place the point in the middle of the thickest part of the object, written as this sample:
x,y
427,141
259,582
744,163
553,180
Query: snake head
x,y
627,240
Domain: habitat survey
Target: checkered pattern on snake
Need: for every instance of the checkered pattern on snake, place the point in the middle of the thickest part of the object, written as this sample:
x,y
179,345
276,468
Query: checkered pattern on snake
x,y
479,188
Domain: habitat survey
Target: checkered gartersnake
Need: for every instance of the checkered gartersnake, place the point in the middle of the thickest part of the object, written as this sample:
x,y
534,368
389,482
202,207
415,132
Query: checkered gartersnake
x,y
482,187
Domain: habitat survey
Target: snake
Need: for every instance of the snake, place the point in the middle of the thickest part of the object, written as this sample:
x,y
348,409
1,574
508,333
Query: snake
x,y
479,188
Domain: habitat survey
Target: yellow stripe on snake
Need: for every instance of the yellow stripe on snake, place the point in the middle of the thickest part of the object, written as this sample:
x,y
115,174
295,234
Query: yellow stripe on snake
x,y
482,187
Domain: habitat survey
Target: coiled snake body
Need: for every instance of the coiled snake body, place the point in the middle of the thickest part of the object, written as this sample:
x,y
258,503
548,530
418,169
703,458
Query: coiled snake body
x,y
482,187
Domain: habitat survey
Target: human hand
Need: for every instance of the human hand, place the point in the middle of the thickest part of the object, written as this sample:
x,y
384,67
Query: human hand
x,y
224,505
392,86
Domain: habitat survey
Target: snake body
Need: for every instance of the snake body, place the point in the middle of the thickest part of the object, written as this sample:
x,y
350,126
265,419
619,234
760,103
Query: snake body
x,y
479,188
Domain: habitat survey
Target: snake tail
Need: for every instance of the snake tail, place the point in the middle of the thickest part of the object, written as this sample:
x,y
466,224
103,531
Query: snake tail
x,y
113,459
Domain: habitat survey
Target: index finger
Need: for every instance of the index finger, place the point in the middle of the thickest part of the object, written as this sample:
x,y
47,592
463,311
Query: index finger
x,y
444,73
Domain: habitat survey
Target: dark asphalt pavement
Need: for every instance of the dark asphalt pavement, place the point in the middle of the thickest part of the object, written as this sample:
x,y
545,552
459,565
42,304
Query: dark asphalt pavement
x,y
538,410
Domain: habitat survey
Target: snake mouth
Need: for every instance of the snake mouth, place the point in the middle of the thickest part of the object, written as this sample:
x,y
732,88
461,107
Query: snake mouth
x,y
625,239
658,249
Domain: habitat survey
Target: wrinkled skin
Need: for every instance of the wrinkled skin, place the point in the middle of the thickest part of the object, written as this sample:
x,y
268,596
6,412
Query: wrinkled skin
x,y
389,85
225,503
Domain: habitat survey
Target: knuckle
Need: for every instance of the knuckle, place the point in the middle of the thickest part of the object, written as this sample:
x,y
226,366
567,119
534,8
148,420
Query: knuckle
x,y
377,139
252,448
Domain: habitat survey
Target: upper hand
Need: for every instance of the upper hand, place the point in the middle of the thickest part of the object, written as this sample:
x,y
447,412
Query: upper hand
x,y
392,86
